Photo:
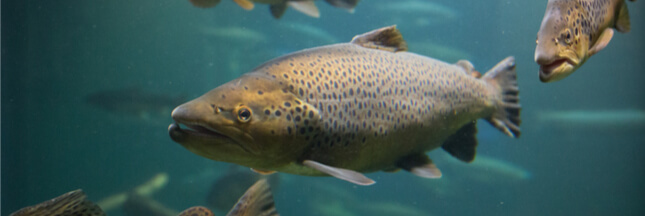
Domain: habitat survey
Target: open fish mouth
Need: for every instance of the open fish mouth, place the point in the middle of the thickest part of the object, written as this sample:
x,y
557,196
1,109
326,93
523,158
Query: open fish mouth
x,y
556,70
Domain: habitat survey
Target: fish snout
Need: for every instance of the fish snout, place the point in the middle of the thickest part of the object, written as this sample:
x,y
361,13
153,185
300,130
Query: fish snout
x,y
192,111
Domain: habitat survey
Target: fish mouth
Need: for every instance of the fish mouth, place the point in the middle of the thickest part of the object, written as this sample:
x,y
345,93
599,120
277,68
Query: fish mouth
x,y
200,132
195,130
556,70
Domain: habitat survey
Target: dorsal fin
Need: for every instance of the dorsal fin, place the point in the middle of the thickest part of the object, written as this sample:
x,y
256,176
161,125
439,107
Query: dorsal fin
x,y
197,211
386,38
71,203
256,201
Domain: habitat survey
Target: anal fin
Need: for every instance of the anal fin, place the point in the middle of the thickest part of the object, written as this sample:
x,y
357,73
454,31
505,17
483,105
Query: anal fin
x,y
419,165
344,174
386,38
463,143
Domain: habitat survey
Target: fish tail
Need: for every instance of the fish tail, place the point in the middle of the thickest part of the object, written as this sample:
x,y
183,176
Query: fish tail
x,y
507,116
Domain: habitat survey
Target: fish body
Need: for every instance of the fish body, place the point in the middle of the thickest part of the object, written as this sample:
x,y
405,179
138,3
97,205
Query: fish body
x,y
349,108
574,30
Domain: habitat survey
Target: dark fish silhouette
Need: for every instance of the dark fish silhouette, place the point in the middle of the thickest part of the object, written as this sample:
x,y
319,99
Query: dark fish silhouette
x,y
134,101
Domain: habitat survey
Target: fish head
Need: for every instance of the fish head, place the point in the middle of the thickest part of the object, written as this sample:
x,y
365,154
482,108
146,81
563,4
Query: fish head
x,y
245,121
561,47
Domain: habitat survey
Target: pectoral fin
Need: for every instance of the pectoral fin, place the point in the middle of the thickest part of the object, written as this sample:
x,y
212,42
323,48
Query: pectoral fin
x,y
246,4
306,7
420,165
602,42
344,174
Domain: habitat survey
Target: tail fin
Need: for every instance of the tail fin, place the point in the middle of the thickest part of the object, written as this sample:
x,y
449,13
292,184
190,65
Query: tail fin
x,y
72,203
507,116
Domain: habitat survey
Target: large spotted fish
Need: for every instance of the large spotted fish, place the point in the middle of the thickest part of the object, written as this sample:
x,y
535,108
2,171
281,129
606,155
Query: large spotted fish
x,y
574,30
349,108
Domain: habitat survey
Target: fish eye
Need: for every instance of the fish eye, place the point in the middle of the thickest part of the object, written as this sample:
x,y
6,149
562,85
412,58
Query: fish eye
x,y
566,36
244,114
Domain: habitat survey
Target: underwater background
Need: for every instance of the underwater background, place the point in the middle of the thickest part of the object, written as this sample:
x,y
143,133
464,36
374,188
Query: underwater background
x,y
70,67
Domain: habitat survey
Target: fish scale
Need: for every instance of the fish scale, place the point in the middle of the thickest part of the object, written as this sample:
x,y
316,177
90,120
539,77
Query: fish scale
x,y
365,95
347,108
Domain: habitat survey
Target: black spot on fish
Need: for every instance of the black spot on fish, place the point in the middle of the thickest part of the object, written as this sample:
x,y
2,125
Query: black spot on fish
x,y
260,92
311,114
267,112
288,130
278,113
297,118
287,104
288,117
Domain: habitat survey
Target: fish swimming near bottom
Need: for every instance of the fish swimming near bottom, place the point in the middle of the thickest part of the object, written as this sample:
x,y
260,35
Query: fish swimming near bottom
x,y
256,201
350,108
574,30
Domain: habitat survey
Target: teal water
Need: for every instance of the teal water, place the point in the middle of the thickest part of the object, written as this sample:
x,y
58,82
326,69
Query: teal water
x,y
56,53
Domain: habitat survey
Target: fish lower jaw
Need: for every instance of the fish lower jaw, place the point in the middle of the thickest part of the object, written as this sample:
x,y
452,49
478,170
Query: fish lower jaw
x,y
556,70
195,129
